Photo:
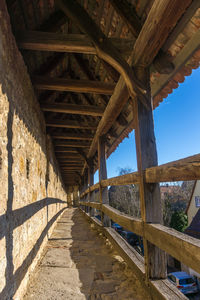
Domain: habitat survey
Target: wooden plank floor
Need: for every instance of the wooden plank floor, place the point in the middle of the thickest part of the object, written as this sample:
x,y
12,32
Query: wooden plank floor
x,y
77,264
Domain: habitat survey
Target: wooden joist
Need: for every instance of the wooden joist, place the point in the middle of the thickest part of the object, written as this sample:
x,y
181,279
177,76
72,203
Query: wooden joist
x,y
65,150
69,124
71,144
73,109
72,136
72,85
60,42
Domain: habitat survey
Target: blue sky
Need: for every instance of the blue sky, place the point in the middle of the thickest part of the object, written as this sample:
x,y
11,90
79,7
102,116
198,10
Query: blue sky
x,y
177,128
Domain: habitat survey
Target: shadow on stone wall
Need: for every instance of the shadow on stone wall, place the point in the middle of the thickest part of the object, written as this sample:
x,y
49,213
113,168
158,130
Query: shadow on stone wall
x,y
13,279
15,218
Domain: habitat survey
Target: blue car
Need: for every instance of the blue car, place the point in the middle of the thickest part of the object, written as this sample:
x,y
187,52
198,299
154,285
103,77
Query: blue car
x,y
184,282
130,237
117,227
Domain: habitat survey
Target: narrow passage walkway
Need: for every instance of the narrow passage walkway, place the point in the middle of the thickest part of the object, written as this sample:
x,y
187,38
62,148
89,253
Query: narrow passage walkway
x,y
78,263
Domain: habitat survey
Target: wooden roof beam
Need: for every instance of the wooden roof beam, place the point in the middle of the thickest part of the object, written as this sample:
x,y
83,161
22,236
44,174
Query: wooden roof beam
x,y
69,124
72,136
70,151
70,144
87,71
161,9
164,14
88,110
104,48
62,42
71,85
128,14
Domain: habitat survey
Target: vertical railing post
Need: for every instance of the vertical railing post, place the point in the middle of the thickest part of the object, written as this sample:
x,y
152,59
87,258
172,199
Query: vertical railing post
x,y
103,193
151,209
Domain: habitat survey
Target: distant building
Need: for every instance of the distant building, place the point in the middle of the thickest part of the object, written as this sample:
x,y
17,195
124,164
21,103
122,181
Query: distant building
x,y
193,229
169,190
194,203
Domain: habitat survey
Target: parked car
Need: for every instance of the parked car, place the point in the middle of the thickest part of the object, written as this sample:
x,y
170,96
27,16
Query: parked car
x,y
98,217
130,237
117,227
184,282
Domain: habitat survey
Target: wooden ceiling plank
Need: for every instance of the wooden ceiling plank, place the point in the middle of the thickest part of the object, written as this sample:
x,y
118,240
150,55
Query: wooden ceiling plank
x,y
73,109
72,85
69,124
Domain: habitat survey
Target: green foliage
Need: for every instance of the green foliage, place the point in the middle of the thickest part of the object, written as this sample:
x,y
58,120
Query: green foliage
x,y
179,221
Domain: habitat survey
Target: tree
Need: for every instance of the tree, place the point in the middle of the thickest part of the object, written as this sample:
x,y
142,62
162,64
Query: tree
x,y
179,221
125,198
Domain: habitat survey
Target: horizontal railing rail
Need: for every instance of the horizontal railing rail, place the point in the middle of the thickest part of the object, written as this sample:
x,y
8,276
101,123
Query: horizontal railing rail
x,y
177,244
179,170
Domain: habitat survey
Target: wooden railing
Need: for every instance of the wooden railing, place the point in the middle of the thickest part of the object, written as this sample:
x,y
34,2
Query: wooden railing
x,y
181,246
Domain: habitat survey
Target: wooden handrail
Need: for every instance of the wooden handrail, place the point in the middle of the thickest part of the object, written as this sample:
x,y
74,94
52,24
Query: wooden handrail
x,y
130,223
131,178
184,169
179,245
91,204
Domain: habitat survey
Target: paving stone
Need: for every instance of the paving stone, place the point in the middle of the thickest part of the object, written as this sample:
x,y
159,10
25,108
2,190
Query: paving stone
x,y
78,265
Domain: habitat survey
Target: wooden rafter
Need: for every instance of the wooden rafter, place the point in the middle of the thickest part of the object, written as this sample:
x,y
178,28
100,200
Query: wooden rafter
x,y
72,136
72,144
73,109
69,124
82,86
127,12
91,76
120,95
104,48
163,15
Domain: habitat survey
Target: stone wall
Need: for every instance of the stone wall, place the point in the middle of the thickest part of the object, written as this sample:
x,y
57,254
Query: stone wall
x,y
32,194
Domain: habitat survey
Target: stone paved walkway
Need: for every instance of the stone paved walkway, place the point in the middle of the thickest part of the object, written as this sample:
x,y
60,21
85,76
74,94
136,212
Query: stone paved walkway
x,y
78,263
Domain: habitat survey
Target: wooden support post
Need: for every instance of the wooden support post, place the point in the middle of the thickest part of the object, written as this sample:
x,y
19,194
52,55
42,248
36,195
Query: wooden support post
x,y
69,198
103,193
91,182
75,196
151,210
86,186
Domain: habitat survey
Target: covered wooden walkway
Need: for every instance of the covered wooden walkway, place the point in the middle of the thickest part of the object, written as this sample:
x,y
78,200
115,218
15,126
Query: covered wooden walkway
x,y
77,264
